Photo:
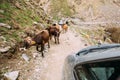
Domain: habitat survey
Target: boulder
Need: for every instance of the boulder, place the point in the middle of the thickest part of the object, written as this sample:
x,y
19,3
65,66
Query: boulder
x,y
2,38
11,75
35,54
2,11
5,49
35,23
38,25
25,57
18,5
5,25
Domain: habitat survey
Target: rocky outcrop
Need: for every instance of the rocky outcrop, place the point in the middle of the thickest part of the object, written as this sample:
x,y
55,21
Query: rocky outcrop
x,y
89,10
5,25
93,10
11,75
5,49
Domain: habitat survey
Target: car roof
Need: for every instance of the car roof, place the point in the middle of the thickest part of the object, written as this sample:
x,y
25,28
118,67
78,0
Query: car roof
x,y
98,53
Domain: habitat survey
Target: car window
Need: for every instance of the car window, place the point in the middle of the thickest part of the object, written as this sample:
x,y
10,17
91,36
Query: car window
x,y
105,70
99,71
102,73
82,75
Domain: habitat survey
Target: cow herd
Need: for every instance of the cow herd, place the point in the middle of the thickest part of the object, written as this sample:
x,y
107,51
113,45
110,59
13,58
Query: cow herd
x,y
44,36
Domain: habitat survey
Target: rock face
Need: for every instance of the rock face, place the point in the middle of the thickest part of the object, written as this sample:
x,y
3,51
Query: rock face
x,y
89,10
11,75
95,9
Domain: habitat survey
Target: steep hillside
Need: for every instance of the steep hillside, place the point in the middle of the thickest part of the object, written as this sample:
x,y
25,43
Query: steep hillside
x,y
22,12
96,9
89,10
85,9
18,19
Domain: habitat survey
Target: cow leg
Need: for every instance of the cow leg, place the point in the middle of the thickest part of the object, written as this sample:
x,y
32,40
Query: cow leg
x,y
58,38
104,38
42,54
63,31
48,44
66,29
37,47
42,49
55,39
50,37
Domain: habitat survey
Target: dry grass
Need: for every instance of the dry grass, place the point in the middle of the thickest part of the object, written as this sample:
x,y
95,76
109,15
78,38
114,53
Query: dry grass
x,y
92,35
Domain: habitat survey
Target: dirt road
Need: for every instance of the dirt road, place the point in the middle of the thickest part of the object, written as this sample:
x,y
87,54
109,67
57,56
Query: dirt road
x,y
51,66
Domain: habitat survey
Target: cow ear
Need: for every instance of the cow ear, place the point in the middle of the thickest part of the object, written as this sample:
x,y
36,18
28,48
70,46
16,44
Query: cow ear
x,y
42,32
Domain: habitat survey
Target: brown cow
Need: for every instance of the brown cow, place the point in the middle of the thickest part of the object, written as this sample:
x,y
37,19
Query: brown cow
x,y
65,28
54,31
40,39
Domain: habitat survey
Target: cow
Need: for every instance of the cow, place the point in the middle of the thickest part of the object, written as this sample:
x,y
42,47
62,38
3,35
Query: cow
x,y
65,28
55,31
40,39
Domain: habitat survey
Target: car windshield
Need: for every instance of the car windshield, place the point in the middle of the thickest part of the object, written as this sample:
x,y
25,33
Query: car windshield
x,y
100,71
